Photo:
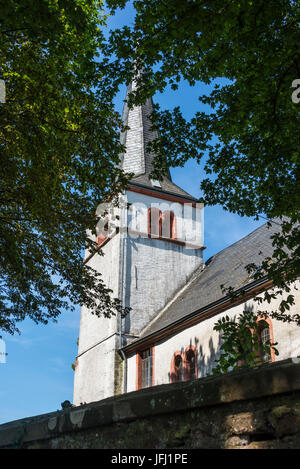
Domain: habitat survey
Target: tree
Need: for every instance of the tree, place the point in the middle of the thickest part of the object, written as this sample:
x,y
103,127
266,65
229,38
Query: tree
x,y
241,343
248,51
59,143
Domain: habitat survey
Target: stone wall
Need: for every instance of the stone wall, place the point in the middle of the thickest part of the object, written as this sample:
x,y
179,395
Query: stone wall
x,y
259,408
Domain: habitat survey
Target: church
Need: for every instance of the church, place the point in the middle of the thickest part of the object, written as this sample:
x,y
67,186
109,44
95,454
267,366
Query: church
x,y
153,262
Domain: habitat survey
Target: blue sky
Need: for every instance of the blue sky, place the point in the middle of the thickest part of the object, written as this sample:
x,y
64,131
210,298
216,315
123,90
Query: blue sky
x,y
37,375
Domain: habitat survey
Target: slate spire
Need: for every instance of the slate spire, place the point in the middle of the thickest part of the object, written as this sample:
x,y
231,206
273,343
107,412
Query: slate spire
x,y
137,159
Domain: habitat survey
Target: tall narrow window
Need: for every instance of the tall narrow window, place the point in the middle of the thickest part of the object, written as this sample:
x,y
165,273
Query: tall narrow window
x,y
264,338
145,368
176,368
190,363
169,225
154,222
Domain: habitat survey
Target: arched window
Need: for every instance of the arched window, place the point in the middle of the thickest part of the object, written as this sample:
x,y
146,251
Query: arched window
x,y
190,363
177,368
169,225
154,222
264,337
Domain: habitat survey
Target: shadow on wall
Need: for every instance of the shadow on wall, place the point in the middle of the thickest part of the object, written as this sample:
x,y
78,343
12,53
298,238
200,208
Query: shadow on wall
x,y
203,357
206,361
191,362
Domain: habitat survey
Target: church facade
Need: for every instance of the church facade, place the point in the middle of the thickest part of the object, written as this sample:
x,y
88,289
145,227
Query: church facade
x,y
153,262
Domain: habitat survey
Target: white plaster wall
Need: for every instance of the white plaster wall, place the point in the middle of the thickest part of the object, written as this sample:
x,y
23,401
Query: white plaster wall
x,y
94,373
207,342
93,328
155,270
94,376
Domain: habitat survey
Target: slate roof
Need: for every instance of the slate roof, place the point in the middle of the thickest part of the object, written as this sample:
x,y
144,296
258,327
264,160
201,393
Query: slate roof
x,y
226,267
137,158
166,186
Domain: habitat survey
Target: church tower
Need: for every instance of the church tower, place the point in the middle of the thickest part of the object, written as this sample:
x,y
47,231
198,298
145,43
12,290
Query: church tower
x,y
146,261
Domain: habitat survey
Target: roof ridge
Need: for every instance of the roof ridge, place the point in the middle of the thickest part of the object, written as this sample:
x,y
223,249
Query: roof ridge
x,y
241,239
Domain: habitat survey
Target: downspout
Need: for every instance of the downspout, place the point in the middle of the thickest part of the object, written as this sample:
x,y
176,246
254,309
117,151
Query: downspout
x,y
123,234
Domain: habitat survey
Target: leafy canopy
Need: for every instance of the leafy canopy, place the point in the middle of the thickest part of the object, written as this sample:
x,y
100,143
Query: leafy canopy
x,y
59,144
248,143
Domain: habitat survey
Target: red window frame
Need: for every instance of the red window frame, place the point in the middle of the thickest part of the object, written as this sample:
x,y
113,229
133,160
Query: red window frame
x,y
169,225
187,363
154,222
260,357
139,368
177,374
161,224
185,373
261,323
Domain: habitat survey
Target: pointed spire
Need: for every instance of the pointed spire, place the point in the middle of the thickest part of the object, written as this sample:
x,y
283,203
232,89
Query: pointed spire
x,y
137,159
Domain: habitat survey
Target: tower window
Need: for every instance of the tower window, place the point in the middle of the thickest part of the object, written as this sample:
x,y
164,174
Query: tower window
x,y
154,222
161,224
168,225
